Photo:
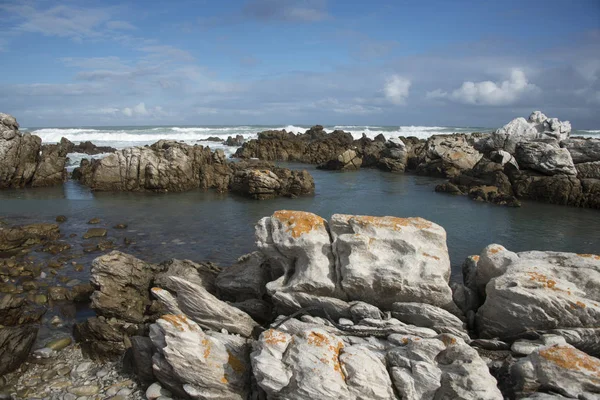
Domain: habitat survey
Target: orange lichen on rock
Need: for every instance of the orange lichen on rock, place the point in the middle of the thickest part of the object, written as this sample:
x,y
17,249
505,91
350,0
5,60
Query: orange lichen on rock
x,y
235,363
336,358
596,257
317,339
541,278
429,255
447,340
273,337
394,223
299,222
495,250
572,359
224,379
475,258
206,344
578,304
178,321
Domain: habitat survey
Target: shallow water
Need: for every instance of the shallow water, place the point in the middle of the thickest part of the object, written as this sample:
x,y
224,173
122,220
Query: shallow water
x,y
204,225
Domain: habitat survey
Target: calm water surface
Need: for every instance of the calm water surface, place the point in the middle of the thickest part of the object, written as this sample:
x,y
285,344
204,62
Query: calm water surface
x,y
204,225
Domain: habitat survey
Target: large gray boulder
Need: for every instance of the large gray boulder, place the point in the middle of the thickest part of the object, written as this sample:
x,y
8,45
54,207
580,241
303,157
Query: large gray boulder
x,y
538,291
448,156
197,364
547,158
378,260
582,150
558,368
25,162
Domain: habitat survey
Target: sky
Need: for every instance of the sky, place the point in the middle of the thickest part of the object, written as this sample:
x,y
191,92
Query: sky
x,y
351,62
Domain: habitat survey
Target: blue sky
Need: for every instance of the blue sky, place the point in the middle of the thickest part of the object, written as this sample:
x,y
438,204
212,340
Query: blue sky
x,y
462,63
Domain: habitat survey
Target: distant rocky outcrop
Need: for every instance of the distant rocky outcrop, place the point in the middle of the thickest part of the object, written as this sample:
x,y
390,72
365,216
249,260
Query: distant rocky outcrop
x,y
533,159
169,166
24,161
355,307
91,149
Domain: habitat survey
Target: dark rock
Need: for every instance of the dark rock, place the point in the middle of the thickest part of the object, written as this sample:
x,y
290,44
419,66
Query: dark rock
x,y
19,237
105,339
94,221
237,141
15,344
94,233
120,226
61,218
142,351
91,149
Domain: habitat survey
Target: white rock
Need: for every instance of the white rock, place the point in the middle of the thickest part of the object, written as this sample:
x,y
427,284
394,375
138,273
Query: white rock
x,y
545,158
205,309
383,260
155,390
298,248
542,291
558,368
199,364
492,262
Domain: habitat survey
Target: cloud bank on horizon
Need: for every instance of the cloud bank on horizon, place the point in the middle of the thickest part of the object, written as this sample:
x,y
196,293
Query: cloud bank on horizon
x,y
306,61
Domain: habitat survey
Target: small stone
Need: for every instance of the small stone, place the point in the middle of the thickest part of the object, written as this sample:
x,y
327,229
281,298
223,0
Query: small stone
x,y
120,226
155,391
102,373
69,396
94,221
59,344
524,347
86,390
125,392
61,218
60,384
41,299
63,370
73,282
78,267
81,369
94,232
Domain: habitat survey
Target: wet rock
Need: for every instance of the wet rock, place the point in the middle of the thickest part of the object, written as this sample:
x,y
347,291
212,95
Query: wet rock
x,y
245,279
122,282
55,248
90,148
20,237
236,141
59,344
15,344
120,226
263,184
94,232
94,221
349,160
61,218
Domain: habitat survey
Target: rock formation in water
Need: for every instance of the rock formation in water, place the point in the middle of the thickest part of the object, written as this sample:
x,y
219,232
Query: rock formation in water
x,y
169,166
378,318
526,159
24,161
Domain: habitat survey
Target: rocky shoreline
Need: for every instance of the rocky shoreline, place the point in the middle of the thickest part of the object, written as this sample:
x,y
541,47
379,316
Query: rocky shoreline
x,y
532,159
350,307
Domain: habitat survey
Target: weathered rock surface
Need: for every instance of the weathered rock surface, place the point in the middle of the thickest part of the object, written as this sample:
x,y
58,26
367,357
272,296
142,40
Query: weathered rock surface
x,y
244,280
582,150
169,166
205,309
544,157
313,363
537,291
90,148
197,364
19,237
379,260
25,162
347,161
448,155
537,126
560,369
15,344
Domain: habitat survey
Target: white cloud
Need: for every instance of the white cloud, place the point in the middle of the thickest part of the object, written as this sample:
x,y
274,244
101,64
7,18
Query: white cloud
x,y
488,92
396,89
137,111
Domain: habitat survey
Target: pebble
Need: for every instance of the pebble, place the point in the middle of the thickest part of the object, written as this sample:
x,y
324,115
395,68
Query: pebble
x,y
59,344
155,391
56,320
44,352
87,390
